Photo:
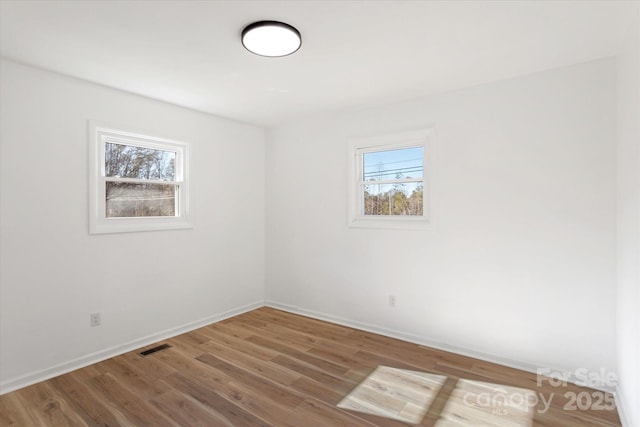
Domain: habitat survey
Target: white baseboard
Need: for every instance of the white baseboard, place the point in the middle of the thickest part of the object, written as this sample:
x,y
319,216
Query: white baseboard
x,y
624,420
421,340
89,359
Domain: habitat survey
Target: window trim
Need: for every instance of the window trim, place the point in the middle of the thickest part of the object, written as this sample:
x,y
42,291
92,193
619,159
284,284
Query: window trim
x,y
99,135
395,141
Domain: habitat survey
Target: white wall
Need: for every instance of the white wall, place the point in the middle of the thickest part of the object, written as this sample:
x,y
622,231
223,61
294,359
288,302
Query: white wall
x,y
146,285
520,264
628,223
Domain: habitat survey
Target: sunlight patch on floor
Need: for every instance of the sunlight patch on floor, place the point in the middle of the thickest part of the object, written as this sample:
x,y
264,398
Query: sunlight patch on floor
x,y
394,393
474,403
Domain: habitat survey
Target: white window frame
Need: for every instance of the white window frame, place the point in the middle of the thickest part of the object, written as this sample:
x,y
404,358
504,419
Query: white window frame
x,y
99,136
357,148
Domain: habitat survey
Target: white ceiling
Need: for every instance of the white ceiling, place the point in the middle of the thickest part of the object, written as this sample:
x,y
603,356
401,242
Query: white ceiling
x,y
354,53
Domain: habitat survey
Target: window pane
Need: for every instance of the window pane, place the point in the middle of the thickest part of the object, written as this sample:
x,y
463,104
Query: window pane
x,y
393,164
128,161
393,199
139,200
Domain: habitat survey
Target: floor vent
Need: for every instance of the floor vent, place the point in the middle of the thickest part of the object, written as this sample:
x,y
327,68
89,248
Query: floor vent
x,y
154,349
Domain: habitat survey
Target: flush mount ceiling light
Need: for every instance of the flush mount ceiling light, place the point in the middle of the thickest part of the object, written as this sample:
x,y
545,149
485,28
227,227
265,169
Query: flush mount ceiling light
x,y
271,38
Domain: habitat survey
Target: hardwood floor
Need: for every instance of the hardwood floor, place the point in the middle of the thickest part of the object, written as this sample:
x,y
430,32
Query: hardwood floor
x,y
271,368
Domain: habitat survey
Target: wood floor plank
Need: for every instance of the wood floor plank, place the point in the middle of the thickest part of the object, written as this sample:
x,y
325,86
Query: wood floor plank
x,y
370,359
265,368
303,324
229,411
301,341
85,402
47,407
138,410
145,386
13,412
316,413
186,411
288,337
88,372
269,388
272,368
229,339
310,359
148,366
229,327
268,409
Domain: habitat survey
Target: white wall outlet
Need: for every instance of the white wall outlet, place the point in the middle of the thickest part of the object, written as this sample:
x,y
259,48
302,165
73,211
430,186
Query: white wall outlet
x,y
95,319
392,300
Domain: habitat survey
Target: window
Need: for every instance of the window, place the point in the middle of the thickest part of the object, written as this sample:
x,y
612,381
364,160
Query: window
x,y
389,186
137,182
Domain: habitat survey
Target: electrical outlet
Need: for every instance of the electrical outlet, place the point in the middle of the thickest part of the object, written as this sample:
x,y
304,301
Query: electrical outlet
x,y
95,319
392,300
